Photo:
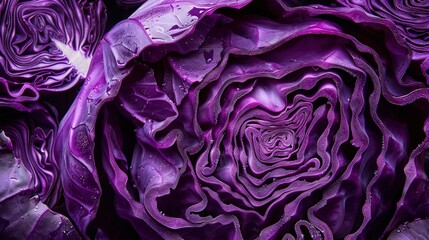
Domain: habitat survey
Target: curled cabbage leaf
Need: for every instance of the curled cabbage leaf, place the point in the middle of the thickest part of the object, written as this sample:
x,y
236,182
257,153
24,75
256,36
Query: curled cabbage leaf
x,y
46,45
226,125
411,17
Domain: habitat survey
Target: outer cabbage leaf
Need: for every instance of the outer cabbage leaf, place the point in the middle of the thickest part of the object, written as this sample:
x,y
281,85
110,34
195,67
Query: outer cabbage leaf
x,y
142,97
108,68
46,45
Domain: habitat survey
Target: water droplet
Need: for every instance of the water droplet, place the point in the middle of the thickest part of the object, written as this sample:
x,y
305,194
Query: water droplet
x,y
208,56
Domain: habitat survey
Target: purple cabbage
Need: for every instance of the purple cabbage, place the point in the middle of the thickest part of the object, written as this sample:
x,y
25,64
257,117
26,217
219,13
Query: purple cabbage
x,y
46,45
224,120
265,139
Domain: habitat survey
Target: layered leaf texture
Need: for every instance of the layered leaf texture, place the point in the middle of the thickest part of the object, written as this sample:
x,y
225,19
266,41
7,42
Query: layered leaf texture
x,y
46,45
215,120
247,127
29,176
